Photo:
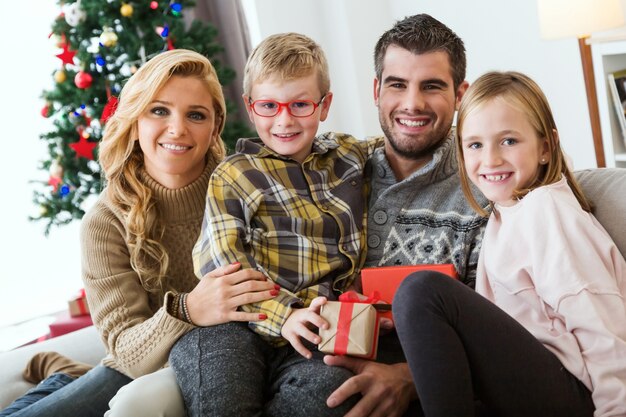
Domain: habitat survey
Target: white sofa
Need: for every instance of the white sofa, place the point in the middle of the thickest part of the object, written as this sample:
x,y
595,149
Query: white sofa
x,y
605,187
83,345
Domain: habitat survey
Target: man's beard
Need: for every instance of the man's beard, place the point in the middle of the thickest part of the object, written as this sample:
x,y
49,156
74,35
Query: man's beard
x,y
413,150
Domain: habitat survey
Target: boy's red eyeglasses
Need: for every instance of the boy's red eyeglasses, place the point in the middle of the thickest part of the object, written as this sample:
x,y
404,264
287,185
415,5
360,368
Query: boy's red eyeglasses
x,y
296,108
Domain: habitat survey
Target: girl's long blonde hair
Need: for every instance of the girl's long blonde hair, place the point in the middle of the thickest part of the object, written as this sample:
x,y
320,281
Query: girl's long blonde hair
x,y
122,159
525,95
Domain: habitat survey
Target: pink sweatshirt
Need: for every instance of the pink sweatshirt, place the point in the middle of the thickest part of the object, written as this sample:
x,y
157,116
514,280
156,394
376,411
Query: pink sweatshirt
x,y
553,267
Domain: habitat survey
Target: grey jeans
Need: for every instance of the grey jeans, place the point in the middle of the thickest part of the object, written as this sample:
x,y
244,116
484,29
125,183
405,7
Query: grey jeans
x,y
228,370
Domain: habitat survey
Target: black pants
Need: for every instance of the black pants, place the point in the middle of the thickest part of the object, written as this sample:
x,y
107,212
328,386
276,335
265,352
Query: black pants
x,y
461,347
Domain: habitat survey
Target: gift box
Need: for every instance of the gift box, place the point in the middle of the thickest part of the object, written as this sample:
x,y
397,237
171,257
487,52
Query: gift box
x,y
353,329
65,323
386,279
77,305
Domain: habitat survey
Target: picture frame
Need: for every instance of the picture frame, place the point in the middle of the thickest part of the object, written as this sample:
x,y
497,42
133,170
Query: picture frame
x,y
617,88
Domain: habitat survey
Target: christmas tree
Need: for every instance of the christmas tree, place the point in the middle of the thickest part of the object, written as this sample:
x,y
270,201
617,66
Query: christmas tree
x,y
101,44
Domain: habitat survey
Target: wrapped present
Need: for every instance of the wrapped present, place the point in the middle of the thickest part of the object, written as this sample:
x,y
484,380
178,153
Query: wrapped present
x,y
386,279
78,304
353,327
65,323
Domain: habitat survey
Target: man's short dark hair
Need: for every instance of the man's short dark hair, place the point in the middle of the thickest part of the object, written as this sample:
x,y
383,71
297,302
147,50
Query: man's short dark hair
x,y
420,34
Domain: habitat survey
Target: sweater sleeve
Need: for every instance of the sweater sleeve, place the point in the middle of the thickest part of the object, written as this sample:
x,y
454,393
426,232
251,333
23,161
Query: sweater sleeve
x,y
579,272
137,338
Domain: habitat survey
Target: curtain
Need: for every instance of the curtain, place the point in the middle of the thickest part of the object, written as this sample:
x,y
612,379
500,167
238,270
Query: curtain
x,y
229,19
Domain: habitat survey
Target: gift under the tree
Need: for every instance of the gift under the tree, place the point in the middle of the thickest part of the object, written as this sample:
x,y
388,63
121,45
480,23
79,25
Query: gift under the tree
x,y
386,279
353,326
66,324
77,305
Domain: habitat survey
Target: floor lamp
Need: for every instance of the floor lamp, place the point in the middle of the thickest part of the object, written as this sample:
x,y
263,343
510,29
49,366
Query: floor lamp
x,y
579,18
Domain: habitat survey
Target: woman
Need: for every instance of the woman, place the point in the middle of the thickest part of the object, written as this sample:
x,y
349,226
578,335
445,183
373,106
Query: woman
x,y
157,154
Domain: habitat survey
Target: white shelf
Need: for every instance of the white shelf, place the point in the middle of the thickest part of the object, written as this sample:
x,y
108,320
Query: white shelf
x,y
609,55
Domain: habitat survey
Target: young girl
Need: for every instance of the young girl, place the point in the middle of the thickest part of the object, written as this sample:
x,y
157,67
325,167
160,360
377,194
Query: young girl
x,y
546,333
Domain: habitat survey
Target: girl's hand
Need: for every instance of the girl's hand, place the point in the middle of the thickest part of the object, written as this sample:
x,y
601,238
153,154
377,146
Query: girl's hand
x,y
299,324
219,293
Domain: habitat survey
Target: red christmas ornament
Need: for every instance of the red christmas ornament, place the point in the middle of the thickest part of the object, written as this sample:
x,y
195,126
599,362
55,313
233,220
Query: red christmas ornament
x,y
55,182
83,147
45,111
109,109
66,56
83,80
170,44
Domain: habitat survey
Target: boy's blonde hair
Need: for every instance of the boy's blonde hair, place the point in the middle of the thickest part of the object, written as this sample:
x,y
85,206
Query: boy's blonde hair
x,y
524,94
122,159
286,56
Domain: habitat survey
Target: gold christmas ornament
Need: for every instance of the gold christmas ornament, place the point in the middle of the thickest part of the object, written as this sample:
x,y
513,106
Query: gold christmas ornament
x,y
60,76
126,10
108,38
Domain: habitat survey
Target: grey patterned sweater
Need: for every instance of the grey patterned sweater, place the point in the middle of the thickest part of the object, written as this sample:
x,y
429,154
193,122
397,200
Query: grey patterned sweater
x,y
424,218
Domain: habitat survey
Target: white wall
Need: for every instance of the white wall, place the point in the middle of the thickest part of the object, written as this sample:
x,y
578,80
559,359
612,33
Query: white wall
x,y
498,35
37,274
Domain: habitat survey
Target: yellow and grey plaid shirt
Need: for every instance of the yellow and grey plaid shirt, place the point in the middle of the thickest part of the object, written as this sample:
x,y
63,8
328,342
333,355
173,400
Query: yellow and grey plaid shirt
x,y
303,225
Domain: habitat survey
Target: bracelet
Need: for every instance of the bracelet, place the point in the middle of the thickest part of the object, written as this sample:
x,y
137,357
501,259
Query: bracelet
x,y
185,309
173,306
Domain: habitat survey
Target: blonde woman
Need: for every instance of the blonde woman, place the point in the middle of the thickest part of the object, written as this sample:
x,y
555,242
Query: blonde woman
x,y
157,154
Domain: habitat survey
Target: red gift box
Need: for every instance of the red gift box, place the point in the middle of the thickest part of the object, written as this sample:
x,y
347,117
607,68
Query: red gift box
x,y
77,305
353,327
387,279
66,324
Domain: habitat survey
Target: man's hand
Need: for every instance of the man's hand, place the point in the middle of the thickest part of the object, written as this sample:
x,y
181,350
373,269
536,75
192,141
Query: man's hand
x,y
386,390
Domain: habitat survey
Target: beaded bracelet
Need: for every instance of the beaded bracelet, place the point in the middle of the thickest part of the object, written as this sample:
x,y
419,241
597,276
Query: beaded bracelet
x,y
185,309
174,304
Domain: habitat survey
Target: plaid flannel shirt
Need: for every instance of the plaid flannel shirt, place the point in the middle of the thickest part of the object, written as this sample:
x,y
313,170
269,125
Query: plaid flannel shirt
x,y
302,225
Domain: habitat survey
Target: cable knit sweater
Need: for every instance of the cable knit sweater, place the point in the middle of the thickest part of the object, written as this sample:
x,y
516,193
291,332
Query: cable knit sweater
x,y
136,328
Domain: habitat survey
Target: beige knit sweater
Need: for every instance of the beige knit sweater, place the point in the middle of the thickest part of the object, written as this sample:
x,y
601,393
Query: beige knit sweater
x,y
136,328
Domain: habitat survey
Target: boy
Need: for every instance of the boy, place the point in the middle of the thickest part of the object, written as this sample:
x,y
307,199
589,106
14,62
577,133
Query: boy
x,y
291,204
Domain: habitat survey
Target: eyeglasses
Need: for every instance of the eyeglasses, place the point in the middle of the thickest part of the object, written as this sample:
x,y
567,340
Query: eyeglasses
x,y
296,108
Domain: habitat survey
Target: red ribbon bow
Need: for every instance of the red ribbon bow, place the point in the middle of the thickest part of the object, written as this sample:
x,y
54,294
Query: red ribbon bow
x,y
355,297
344,321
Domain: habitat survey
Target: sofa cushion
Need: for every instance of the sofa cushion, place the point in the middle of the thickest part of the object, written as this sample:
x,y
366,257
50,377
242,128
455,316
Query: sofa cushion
x,y
606,188
83,345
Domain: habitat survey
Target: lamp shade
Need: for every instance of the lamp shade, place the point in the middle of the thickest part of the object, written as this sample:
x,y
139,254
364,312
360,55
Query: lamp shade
x,y
565,18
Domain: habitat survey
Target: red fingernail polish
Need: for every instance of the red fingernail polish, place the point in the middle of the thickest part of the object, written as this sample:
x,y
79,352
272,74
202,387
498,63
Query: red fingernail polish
x,y
274,292
276,287
262,316
236,263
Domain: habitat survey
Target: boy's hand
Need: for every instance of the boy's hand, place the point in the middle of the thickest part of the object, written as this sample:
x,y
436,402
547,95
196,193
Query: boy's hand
x,y
299,324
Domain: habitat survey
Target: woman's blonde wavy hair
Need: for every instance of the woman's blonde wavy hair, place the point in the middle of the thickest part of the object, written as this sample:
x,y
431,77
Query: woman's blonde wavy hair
x,y
521,92
122,159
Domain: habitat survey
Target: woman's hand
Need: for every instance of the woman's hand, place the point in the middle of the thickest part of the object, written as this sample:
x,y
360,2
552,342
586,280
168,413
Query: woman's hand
x,y
299,323
216,298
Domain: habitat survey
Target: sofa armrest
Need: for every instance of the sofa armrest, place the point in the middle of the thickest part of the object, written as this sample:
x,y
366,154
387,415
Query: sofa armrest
x,y
83,345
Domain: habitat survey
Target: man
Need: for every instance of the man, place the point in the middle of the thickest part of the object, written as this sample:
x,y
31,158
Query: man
x,y
417,211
